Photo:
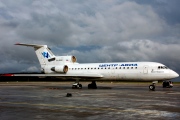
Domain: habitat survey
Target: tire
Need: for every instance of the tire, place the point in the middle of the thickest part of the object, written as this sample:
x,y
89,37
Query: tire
x,y
89,86
152,87
80,86
92,86
74,87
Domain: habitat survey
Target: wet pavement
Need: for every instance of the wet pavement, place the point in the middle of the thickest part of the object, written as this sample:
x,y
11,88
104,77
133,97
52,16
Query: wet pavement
x,y
48,101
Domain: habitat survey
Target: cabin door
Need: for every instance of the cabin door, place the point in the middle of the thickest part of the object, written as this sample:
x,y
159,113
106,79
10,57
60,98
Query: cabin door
x,y
145,69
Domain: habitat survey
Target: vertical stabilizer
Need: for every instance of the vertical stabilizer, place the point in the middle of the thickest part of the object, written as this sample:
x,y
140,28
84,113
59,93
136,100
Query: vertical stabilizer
x,y
44,54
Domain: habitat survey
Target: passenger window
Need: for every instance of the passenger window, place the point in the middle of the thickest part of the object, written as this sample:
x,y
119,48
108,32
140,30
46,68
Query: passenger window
x,y
131,67
135,67
123,67
127,67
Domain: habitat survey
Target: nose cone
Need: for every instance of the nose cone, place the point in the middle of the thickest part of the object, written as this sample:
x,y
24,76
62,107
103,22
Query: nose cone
x,y
174,74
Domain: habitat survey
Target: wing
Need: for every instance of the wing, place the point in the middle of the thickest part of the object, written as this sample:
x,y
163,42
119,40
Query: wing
x,y
64,76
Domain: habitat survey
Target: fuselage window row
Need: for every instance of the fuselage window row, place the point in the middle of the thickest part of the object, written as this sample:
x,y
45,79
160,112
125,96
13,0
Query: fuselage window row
x,y
102,68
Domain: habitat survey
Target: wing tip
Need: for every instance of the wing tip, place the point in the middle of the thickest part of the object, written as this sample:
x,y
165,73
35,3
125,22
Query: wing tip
x,y
17,43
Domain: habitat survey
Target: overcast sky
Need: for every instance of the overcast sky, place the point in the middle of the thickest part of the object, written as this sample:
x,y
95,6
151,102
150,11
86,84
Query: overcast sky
x,y
92,30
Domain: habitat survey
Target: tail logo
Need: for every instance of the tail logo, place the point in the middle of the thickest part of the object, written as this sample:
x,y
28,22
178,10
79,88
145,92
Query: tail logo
x,y
46,55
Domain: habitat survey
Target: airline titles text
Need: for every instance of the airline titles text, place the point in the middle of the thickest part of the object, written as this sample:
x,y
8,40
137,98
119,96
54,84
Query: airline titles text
x,y
115,65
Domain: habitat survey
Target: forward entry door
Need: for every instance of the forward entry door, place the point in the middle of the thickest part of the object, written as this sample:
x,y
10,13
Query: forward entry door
x,y
145,69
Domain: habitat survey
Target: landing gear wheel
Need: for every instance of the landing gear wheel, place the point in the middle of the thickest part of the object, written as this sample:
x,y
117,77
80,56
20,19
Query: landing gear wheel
x,y
92,85
152,87
80,86
77,86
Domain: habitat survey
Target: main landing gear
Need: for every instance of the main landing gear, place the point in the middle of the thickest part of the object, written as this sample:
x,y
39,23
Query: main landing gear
x,y
92,85
152,86
77,85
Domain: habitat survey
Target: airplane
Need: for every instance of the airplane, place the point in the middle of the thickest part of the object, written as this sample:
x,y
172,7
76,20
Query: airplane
x,y
67,67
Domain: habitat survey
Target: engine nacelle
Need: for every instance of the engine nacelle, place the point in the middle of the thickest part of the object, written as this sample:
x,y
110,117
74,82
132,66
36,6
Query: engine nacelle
x,y
60,69
71,59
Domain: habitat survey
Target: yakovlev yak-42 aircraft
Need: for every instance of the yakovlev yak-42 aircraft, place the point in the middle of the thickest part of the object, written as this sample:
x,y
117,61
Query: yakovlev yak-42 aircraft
x,y
66,67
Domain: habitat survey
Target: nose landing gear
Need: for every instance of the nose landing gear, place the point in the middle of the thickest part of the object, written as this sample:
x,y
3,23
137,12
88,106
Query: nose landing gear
x,y
152,86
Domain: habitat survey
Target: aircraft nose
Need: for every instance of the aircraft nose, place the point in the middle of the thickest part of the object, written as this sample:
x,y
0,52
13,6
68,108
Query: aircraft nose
x,y
174,74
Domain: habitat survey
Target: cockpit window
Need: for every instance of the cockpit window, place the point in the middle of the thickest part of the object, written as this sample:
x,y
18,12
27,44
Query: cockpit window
x,y
165,67
162,67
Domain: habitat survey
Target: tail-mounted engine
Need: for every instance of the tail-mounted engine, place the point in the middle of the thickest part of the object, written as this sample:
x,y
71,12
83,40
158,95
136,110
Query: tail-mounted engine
x,y
71,59
60,69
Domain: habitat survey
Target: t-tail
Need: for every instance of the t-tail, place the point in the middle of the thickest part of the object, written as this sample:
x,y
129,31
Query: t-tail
x,y
44,54
46,57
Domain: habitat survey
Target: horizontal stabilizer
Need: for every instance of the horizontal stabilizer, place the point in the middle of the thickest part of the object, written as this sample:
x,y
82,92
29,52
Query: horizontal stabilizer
x,y
31,45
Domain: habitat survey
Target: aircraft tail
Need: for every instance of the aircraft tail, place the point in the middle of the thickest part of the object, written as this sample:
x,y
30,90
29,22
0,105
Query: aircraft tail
x,y
44,54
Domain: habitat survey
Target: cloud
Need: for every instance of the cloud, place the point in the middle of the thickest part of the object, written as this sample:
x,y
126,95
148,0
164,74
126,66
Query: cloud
x,y
32,69
135,50
121,22
167,10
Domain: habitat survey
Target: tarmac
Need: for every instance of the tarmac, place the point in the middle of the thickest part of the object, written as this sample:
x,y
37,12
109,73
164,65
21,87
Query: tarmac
x,y
117,101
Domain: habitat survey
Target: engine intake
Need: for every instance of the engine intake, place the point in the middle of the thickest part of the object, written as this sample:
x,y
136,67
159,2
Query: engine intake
x,y
60,69
73,58
70,59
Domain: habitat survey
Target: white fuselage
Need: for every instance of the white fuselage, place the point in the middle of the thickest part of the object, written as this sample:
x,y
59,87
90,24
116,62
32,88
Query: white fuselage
x,y
67,67
132,71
